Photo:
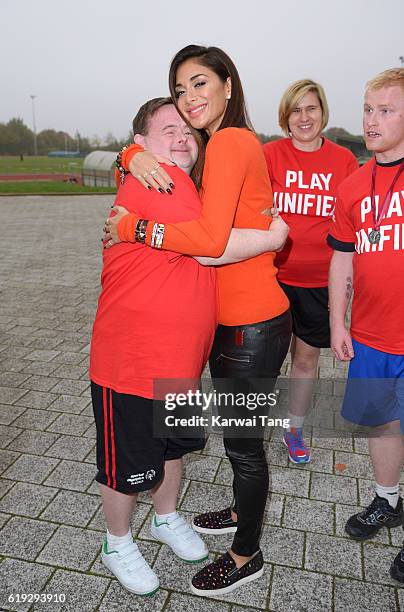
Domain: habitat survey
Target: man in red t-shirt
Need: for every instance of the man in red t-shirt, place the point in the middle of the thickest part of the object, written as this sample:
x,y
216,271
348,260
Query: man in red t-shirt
x,y
368,241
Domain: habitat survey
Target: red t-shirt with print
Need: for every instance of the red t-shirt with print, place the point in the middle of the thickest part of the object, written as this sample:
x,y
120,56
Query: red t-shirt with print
x,y
304,185
378,301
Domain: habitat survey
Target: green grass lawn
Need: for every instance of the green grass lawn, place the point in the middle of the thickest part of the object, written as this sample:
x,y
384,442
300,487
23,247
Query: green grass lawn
x,y
41,164
44,187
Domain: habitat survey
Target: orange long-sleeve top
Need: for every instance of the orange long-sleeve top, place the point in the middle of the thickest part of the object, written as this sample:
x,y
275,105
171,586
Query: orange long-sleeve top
x,y
235,190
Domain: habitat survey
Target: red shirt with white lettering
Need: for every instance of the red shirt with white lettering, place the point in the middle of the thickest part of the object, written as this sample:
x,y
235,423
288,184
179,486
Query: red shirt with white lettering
x,y
157,312
304,185
378,281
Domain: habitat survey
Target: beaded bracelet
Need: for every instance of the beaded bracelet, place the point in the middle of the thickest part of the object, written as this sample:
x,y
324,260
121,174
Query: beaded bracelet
x,y
140,230
120,161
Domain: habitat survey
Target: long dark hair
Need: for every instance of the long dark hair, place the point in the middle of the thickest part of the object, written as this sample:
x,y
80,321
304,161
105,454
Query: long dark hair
x,y
236,112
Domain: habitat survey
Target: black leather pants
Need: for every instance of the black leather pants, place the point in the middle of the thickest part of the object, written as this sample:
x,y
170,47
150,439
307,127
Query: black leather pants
x,y
247,359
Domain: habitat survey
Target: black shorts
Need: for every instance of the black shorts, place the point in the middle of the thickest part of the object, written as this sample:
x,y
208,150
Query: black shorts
x,y
310,314
129,458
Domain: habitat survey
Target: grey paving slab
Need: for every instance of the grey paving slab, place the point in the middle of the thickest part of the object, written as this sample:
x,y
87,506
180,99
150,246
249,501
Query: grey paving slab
x,y
282,546
377,561
8,414
82,592
27,499
69,358
289,482
41,355
5,485
33,441
71,387
70,447
333,555
7,435
21,577
35,419
39,383
361,597
71,508
70,404
12,379
37,399
357,465
4,518
119,600
201,467
178,601
329,438
331,488
294,589
31,468
41,368
71,424
71,548
308,514
11,395
214,446
202,497
72,475
7,458
277,454
23,538
73,372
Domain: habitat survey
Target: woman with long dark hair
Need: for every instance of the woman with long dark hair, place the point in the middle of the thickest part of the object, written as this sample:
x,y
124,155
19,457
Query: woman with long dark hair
x,y
254,329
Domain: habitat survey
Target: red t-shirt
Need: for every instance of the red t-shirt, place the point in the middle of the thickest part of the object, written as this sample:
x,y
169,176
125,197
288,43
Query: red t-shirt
x,y
304,185
157,312
378,301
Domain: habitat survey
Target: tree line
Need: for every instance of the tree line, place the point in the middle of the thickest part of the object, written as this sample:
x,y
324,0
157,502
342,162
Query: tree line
x,y
18,139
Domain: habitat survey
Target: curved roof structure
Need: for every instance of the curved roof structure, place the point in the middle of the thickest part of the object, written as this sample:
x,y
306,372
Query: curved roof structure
x,y
100,160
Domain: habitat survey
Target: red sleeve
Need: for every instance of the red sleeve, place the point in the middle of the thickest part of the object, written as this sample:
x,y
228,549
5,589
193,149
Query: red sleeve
x,y
342,231
227,157
352,164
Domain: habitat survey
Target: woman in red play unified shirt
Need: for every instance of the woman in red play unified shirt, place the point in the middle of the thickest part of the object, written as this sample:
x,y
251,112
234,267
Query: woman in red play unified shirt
x,y
305,170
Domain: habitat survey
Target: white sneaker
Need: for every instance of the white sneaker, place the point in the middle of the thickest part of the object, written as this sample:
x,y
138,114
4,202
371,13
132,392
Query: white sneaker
x,y
181,538
131,568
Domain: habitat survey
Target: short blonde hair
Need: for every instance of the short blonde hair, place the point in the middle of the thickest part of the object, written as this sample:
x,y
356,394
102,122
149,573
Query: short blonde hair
x,y
291,97
387,78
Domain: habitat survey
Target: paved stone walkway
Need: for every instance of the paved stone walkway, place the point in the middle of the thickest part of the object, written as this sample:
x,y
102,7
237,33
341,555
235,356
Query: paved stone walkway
x,y
50,515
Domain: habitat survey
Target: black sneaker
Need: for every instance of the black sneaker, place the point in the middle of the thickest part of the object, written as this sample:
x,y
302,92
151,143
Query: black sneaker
x,y
378,514
222,576
397,567
215,522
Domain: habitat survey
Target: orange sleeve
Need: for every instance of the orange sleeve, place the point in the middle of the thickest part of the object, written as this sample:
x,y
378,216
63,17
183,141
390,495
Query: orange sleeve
x,y
226,163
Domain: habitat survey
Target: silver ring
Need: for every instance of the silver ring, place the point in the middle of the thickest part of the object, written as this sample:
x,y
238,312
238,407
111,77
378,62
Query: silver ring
x,y
154,172
108,222
146,174
110,242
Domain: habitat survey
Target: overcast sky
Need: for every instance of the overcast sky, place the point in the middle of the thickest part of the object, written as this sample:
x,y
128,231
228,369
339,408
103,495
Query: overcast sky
x,y
92,63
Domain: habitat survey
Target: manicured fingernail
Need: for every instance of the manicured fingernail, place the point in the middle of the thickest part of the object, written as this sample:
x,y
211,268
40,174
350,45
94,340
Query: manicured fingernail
x,y
161,190
169,191
112,206
149,187
172,185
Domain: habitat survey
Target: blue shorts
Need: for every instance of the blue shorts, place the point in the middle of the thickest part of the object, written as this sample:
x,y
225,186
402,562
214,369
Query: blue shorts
x,y
374,393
